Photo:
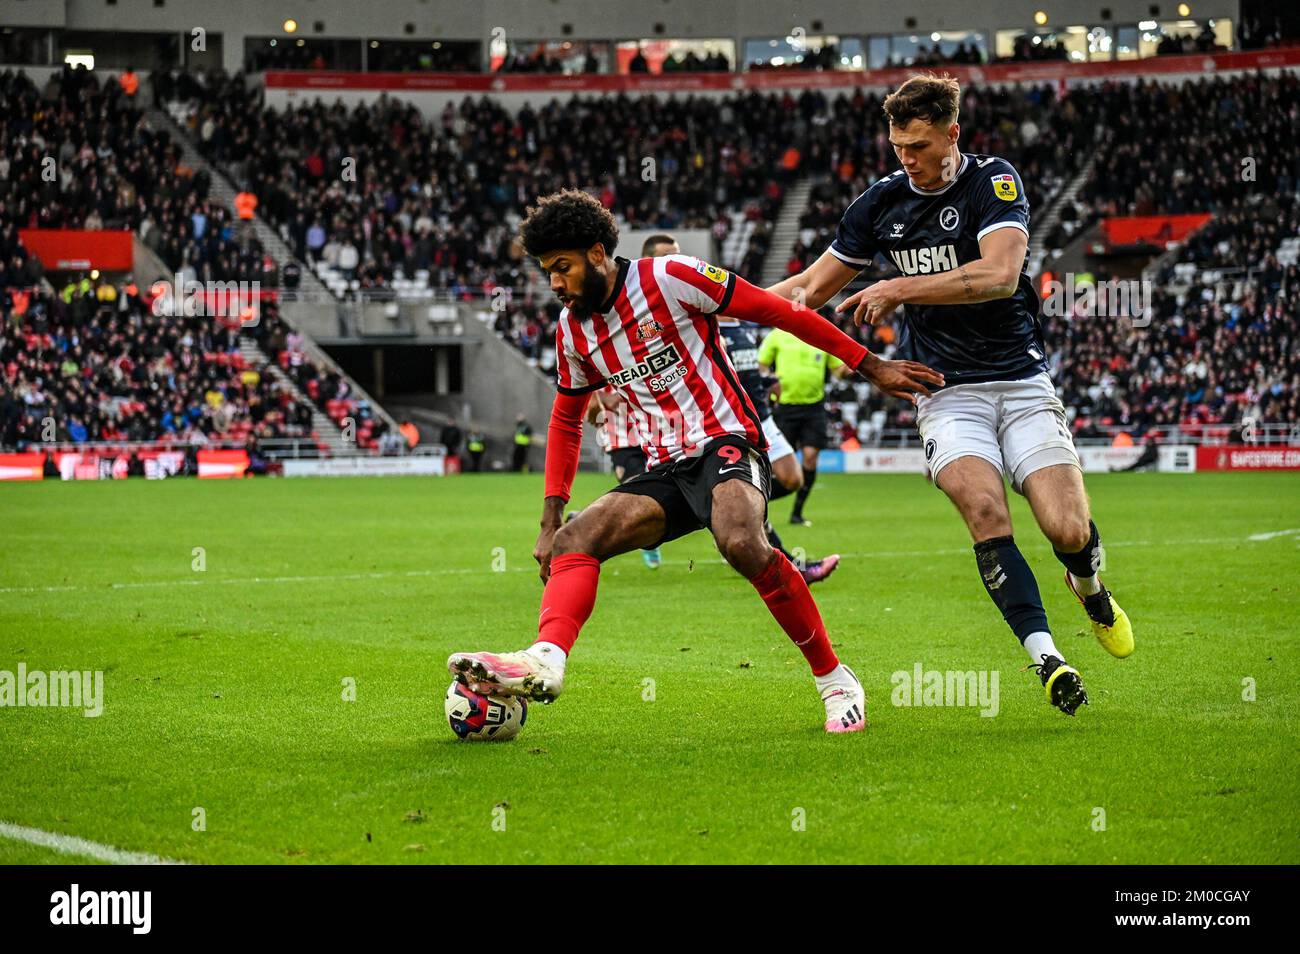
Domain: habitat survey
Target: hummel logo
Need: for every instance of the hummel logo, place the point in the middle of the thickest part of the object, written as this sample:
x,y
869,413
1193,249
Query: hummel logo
x,y
995,577
898,229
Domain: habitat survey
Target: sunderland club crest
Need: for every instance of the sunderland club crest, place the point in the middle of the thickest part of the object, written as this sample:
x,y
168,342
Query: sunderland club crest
x,y
648,328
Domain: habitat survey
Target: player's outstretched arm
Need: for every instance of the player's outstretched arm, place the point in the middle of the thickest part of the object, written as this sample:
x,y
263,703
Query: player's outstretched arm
x,y
993,275
563,445
904,379
818,283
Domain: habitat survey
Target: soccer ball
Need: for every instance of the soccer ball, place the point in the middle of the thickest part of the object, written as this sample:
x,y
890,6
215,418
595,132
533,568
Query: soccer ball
x,y
480,718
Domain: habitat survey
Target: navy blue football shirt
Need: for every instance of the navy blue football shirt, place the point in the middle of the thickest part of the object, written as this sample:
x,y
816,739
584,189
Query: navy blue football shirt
x,y
923,232
742,345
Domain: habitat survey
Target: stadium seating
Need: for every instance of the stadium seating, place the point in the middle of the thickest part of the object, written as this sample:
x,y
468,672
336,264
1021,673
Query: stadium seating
x,y
100,366
115,171
111,171
380,218
1044,136
438,216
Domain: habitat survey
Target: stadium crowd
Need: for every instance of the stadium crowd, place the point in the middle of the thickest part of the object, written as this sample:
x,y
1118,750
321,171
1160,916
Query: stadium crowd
x,y
1044,136
447,202
98,365
1201,146
79,154
1213,358
385,222
380,192
99,362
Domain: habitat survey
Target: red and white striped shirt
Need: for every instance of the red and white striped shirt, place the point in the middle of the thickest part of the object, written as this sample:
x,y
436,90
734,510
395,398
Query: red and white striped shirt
x,y
618,431
656,342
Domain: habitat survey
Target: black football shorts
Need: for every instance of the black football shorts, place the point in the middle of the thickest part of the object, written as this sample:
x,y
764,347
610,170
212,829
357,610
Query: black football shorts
x,y
684,488
804,425
630,459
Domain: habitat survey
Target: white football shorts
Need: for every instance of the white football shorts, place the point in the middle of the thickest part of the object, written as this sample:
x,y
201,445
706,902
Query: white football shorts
x,y
1017,426
778,446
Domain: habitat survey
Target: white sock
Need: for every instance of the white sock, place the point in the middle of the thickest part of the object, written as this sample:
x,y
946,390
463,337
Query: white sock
x,y
548,654
1086,585
1039,645
838,676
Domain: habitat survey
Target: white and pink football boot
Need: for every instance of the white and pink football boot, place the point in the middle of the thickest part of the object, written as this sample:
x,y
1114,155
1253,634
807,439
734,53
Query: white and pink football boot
x,y
508,674
845,700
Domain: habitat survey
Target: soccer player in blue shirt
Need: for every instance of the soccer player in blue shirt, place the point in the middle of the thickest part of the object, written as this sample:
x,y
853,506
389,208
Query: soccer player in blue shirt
x,y
956,225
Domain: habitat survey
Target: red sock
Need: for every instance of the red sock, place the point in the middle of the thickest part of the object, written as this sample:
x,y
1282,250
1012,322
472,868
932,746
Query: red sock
x,y
568,598
787,598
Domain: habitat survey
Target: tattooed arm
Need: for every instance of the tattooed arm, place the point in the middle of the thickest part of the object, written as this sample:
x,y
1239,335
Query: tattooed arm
x,y
991,276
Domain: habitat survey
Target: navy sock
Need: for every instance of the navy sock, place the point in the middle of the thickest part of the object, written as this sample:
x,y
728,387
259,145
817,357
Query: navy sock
x,y
1088,560
775,540
809,478
1011,585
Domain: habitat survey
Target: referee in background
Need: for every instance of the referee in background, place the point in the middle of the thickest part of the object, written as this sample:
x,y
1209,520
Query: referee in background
x,y
800,412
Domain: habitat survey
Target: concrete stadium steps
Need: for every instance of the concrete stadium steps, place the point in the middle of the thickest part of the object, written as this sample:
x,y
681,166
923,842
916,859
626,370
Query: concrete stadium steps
x,y
310,288
224,191
326,430
786,230
736,240
1042,228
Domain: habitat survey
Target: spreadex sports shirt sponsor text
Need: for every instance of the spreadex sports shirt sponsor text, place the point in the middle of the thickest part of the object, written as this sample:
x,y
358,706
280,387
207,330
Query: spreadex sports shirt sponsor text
x,y
665,364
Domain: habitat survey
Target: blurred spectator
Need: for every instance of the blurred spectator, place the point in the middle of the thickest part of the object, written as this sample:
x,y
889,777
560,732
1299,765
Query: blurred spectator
x,y
451,437
523,440
476,444
129,82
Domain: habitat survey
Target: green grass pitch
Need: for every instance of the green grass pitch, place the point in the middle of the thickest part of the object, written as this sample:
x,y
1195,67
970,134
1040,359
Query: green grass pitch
x,y
224,686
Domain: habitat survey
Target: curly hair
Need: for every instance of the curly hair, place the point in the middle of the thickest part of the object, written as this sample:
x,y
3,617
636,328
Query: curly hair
x,y
568,219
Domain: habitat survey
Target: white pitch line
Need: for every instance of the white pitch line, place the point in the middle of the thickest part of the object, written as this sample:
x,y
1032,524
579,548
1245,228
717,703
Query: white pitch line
x,y
248,580
332,577
1269,536
71,845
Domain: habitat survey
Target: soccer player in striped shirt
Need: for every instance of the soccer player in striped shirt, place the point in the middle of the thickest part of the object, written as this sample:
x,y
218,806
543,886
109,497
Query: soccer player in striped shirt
x,y
648,328
741,344
617,434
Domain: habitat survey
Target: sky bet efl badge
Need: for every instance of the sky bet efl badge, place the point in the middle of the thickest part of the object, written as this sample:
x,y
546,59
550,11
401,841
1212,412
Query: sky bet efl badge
x,y
713,273
1004,187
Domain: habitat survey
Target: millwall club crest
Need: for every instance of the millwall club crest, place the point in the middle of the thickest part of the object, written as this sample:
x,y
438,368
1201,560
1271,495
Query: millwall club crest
x,y
648,328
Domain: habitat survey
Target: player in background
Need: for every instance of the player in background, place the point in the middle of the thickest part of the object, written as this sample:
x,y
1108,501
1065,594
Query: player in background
x,y
616,432
741,342
647,327
801,405
957,227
